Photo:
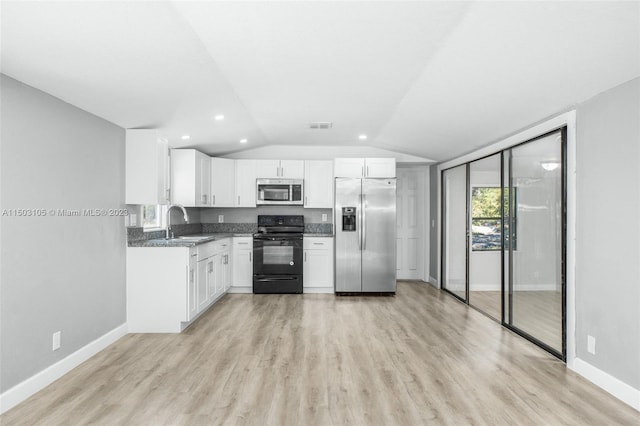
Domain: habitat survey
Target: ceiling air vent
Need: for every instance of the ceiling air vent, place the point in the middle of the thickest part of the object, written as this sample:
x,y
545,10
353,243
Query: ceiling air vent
x,y
321,125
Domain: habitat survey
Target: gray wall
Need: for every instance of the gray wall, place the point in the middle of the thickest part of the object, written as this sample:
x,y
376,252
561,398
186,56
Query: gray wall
x,y
434,260
58,273
250,215
608,231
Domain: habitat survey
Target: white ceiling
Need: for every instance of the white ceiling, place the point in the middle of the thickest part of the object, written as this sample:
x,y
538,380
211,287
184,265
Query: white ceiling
x,y
429,79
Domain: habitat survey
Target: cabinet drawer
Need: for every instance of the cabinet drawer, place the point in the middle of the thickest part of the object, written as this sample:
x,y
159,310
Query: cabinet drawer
x,y
243,242
317,243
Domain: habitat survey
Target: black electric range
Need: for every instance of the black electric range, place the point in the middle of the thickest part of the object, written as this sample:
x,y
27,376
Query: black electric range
x,y
277,254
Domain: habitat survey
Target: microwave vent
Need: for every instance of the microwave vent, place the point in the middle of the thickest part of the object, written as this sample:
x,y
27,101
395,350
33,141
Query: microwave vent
x,y
321,125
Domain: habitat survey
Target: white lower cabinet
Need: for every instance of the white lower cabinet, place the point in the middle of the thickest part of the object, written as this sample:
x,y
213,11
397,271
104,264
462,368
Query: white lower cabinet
x,y
192,290
318,265
242,277
203,282
168,287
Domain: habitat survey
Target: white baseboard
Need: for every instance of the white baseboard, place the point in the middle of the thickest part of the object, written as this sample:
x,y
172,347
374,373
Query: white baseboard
x,y
615,387
243,290
319,290
12,397
484,287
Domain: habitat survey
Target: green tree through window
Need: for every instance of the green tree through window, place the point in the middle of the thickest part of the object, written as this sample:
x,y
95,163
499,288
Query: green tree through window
x,y
486,222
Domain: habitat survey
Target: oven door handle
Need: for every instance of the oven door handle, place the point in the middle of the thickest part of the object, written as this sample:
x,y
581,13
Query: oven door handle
x,y
277,239
276,279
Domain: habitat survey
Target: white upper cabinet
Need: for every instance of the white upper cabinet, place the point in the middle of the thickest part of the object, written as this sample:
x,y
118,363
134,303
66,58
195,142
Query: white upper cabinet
x,y
223,178
380,167
246,174
190,178
365,167
268,168
291,169
205,178
318,184
147,168
348,167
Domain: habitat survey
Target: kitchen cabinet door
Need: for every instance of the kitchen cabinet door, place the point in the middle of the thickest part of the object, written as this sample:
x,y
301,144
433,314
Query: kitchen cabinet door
x,y
190,178
268,169
318,184
223,178
380,167
227,271
212,271
348,167
146,167
292,169
245,183
203,174
219,275
318,264
242,276
202,283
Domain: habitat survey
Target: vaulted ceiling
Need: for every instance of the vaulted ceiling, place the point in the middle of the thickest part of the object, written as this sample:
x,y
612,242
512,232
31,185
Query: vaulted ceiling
x,y
432,79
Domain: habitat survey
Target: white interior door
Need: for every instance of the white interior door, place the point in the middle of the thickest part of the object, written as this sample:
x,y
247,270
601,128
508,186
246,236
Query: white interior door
x,y
410,220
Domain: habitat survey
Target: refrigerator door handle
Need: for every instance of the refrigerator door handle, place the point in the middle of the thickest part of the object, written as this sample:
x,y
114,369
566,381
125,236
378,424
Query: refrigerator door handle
x,y
359,222
364,222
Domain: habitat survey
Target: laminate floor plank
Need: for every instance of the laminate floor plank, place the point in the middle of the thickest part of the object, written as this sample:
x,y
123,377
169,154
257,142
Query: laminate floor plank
x,y
421,357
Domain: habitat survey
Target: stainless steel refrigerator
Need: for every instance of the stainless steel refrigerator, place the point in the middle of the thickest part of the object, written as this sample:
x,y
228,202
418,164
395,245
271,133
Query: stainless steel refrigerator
x,y
365,223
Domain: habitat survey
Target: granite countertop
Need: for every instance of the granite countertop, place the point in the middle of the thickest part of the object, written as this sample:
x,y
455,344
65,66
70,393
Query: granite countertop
x,y
178,242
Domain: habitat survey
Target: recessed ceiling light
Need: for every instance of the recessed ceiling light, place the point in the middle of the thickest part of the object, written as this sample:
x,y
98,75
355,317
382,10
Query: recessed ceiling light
x,y
362,137
243,141
219,117
185,137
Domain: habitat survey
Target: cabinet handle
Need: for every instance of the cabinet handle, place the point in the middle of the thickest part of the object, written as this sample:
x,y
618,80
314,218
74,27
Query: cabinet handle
x,y
213,200
361,170
249,257
191,276
168,194
242,242
367,171
318,244
305,256
238,200
305,200
194,255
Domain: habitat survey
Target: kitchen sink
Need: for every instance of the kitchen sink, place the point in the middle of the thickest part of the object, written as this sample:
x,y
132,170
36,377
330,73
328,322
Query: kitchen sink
x,y
193,237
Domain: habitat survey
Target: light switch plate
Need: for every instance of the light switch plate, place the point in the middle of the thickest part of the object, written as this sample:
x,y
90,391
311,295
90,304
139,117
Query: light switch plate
x,y
324,217
591,344
56,341
220,218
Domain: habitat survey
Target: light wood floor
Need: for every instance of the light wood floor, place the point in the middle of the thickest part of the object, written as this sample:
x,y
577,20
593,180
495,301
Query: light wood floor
x,y
538,313
420,357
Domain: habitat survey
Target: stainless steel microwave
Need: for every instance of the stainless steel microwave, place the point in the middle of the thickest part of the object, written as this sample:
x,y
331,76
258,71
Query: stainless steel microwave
x,y
286,192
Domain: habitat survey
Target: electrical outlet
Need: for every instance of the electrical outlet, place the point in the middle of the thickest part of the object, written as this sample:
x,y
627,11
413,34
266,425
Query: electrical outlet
x,y
591,345
220,218
56,340
324,217
133,219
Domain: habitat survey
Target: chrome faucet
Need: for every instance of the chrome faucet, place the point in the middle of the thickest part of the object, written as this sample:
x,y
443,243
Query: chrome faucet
x,y
168,218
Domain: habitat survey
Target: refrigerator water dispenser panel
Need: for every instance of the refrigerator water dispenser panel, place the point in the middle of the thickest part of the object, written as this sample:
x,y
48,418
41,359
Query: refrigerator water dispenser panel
x,y
349,219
